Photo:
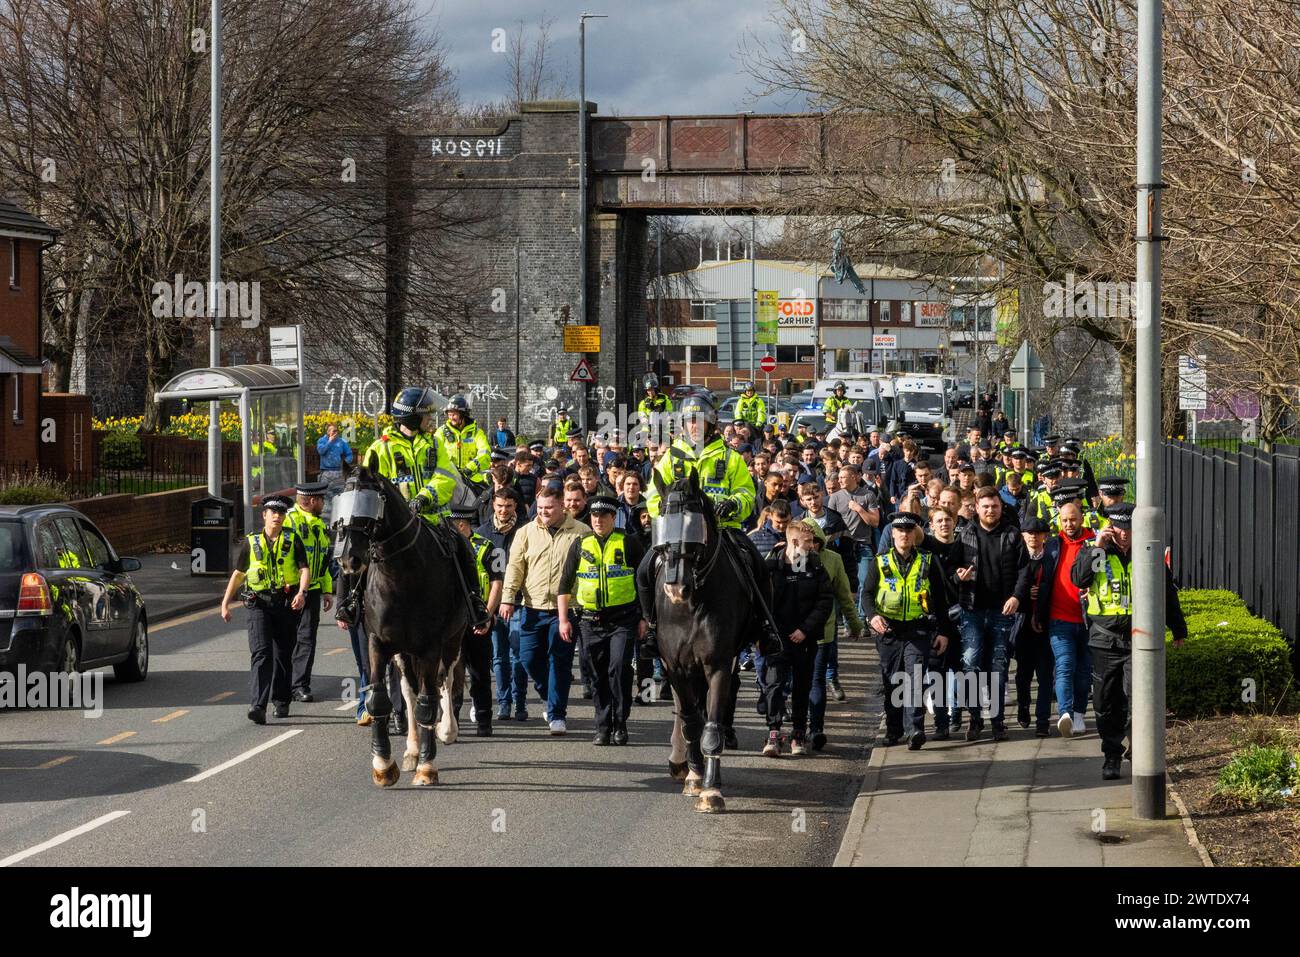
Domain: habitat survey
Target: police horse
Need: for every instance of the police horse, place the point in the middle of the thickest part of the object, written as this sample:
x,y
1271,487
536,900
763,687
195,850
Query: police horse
x,y
413,611
704,611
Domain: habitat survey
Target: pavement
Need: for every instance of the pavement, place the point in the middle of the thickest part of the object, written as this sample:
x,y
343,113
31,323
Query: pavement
x,y
169,590
1026,801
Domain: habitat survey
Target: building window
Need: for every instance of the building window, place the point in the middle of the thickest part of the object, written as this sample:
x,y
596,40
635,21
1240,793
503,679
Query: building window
x,y
704,354
701,311
985,319
13,264
885,311
786,354
674,353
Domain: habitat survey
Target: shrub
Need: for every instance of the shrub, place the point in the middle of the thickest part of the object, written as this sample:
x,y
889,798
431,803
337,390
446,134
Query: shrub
x,y
1259,776
121,450
31,488
1228,652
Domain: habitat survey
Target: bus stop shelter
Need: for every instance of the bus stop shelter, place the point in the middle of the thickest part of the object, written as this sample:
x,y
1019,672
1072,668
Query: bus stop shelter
x,y
270,423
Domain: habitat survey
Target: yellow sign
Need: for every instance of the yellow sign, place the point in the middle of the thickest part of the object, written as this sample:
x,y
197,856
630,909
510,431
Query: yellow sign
x,y
582,338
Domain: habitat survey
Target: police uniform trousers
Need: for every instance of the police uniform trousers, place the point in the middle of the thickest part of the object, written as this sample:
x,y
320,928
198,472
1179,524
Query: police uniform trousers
x,y
1112,683
304,649
272,633
476,653
903,651
609,638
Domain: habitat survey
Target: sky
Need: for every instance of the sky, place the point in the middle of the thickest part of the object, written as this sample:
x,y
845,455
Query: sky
x,y
649,57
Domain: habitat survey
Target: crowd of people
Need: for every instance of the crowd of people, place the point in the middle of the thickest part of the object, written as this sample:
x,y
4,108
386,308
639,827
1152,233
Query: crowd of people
x,y
955,563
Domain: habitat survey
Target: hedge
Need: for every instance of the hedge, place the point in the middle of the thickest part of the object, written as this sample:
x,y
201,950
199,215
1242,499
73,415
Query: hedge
x,y
1226,645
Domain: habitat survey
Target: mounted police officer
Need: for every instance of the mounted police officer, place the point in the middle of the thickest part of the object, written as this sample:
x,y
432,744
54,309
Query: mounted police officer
x,y
654,403
412,458
1104,573
838,400
467,444
600,576
725,478
305,522
273,564
750,407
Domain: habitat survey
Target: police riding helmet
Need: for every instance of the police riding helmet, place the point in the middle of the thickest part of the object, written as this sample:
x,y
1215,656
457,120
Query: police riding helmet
x,y
746,386
457,403
651,382
411,405
839,384
699,404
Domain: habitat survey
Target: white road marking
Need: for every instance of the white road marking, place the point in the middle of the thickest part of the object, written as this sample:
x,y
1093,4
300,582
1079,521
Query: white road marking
x,y
62,838
346,706
242,757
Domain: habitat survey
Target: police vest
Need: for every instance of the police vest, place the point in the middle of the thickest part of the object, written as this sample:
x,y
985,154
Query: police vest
x,y
271,565
654,406
560,433
833,406
751,409
903,597
605,579
481,546
316,539
1111,594
406,462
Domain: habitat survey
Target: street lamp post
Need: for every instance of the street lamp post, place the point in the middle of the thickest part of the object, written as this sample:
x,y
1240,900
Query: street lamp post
x,y
1148,703
582,185
214,254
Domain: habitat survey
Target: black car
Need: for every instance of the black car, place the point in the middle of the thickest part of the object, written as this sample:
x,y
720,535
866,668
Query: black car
x,y
66,600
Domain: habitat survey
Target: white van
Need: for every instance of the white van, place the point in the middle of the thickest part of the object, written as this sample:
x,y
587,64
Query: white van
x,y
923,409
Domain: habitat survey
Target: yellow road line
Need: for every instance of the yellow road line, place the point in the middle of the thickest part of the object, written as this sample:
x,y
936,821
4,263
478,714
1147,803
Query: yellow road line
x,y
167,717
219,697
188,619
118,737
55,763
336,651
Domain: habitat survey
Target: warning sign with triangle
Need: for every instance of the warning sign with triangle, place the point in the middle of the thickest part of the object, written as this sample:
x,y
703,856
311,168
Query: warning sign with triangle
x,y
582,372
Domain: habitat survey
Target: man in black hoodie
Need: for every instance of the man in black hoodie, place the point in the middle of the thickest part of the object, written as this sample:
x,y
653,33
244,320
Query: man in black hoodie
x,y
994,582
1104,572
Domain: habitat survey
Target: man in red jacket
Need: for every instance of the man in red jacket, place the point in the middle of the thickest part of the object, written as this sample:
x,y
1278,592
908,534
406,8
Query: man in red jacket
x,y
1059,612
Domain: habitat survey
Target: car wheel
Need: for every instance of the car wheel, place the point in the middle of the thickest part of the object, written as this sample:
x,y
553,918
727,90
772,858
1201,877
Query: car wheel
x,y
136,666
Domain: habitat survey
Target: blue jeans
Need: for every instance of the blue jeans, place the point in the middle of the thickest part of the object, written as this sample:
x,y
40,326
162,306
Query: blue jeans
x,y
512,681
361,652
985,639
822,667
546,658
831,657
1073,664
866,555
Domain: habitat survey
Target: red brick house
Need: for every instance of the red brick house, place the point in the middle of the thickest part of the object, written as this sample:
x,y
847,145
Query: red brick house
x,y
23,237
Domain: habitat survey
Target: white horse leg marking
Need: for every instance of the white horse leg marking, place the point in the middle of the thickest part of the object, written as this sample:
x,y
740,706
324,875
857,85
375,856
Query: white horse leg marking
x,y
447,727
380,764
412,755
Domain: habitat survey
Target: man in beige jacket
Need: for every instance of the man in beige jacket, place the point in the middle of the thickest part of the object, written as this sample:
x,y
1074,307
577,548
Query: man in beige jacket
x,y
537,558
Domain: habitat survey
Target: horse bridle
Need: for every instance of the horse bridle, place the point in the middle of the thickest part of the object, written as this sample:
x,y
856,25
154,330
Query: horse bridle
x,y
362,507
676,507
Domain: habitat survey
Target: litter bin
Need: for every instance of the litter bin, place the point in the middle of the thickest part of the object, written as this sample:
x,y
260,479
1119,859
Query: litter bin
x,y
212,536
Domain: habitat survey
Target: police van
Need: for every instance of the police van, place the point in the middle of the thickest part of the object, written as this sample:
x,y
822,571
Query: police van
x,y
871,396
923,409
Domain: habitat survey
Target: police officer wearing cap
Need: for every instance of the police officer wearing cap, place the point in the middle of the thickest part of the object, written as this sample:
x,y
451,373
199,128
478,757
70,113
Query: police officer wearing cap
x,y
304,521
600,578
560,429
273,564
1104,574
490,573
906,603
1111,489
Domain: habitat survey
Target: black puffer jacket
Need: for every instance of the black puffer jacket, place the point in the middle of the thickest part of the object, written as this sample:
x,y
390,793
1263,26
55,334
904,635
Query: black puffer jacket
x,y
1011,573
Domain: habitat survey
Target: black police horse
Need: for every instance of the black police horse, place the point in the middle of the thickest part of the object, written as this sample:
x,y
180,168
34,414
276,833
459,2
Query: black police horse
x,y
704,611
412,608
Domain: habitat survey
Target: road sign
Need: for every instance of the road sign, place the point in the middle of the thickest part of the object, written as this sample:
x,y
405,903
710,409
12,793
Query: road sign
x,y
884,342
583,372
767,364
582,338
1191,383
1026,369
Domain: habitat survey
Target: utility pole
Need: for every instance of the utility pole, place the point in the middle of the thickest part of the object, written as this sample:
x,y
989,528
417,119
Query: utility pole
x,y
753,297
582,188
1148,539
214,256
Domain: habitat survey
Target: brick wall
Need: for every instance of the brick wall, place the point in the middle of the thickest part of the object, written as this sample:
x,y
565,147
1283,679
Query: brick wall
x,y
71,449
136,522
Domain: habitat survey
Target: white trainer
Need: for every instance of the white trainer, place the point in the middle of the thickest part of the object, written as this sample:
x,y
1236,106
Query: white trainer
x,y
559,727
1065,725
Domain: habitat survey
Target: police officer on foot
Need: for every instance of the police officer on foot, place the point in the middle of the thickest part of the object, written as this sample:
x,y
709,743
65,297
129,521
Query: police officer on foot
x,y
1104,573
273,563
305,522
600,575
907,605
558,434
490,566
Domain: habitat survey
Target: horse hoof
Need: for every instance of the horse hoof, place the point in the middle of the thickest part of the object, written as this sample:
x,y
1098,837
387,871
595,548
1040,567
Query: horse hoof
x,y
677,771
410,762
446,736
426,776
710,802
692,787
387,777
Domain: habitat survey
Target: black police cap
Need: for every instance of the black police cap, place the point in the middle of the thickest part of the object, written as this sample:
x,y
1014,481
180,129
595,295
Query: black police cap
x,y
311,488
904,520
276,503
603,503
1121,514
